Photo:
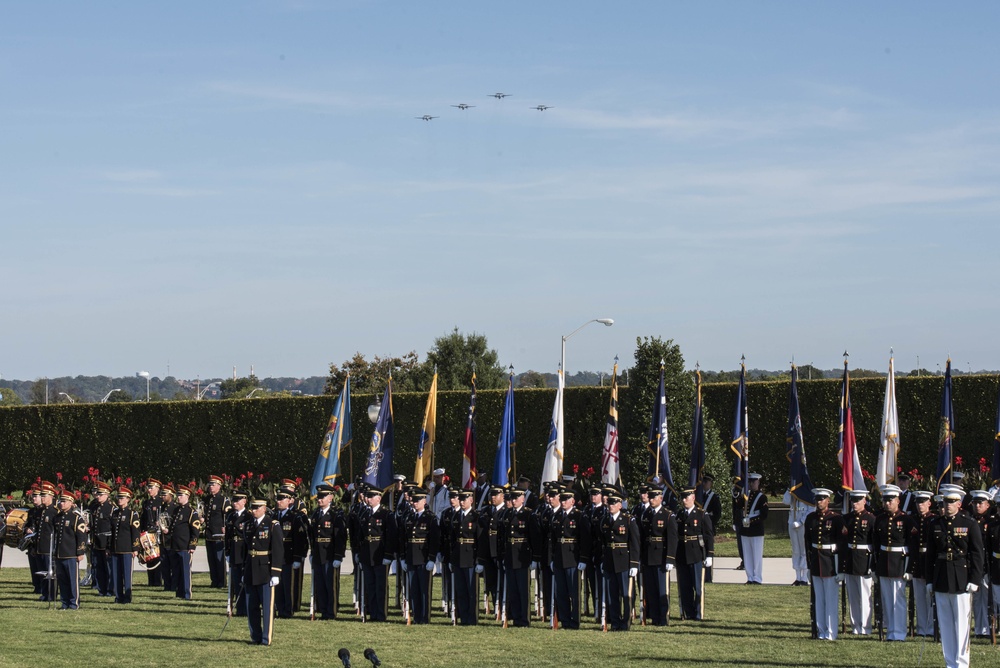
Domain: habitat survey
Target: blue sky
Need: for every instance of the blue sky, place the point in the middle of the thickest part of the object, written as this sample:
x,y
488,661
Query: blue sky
x,y
214,186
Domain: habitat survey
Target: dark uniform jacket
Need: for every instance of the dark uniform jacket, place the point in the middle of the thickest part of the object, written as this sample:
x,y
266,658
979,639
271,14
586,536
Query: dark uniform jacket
x,y
328,534
216,506
491,518
149,515
421,539
695,536
124,530
376,537
467,540
168,508
236,548
619,543
570,538
265,548
755,510
44,528
541,526
823,533
954,554
518,530
185,528
295,531
889,541
595,515
70,534
658,536
100,525
920,526
992,547
855,546
711,504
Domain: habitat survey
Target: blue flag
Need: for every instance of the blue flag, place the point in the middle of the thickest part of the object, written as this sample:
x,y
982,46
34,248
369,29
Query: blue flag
x,y
799,484
740,444
697,437
946,435
336,440
378,467
658,443
507,442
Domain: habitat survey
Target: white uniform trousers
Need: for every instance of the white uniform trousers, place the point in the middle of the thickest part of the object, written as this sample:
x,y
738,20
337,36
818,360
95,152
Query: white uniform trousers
x,y
859,600
799,563
981,609
753,557
953,618
893,591
827,592
922,606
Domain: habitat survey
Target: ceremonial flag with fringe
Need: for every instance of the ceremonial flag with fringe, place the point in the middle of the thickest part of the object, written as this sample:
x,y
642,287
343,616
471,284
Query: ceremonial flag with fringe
x,y
336,439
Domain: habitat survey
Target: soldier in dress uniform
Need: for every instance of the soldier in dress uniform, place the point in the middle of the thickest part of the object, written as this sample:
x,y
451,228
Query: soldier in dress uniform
x,y
992,556
570,540
71,544
265,549
706,499
419,543
375,545
100,538
149,517
889,542
31,526
982,513
531,501
467,544
542,519
295,532
44,543
183,534
168,505
236,552
490,518
753,513
328,540
695,551
658,538
855,550
439,494
124,545
906,504
620,561
520,536
216,506
595,512
917,543
823,531
954,567
444,549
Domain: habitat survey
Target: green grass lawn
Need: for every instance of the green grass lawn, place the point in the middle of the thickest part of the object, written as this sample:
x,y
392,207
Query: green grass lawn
x,y
758,626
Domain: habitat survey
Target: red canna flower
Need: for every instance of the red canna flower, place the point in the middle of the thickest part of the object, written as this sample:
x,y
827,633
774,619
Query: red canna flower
x,y
298,481
261,476
86,479
576,468
118,479
128,481
958,461
58,476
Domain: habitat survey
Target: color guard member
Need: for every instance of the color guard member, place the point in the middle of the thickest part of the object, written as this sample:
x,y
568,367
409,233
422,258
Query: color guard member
x,y
823,531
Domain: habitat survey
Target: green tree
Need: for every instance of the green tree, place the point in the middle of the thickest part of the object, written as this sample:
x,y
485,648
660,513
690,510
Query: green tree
x,y
238,388
119,396
370,377
456,353
8,397
531,379
39,391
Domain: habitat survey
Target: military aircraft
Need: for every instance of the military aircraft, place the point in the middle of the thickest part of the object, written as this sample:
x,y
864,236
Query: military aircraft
x,y
541,107
426,117
499,96
463,106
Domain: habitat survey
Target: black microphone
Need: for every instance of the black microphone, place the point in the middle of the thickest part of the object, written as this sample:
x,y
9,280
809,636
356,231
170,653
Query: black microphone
x,y
371,656
345,657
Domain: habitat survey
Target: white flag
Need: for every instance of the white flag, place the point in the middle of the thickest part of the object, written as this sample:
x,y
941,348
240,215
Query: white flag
x,y
889,442
553,467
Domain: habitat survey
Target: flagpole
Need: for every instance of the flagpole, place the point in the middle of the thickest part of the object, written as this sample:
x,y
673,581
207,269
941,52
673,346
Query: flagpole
x,y
421,482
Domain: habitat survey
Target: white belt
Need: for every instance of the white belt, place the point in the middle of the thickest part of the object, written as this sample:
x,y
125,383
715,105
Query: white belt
x,y
858,546
825,546
901,548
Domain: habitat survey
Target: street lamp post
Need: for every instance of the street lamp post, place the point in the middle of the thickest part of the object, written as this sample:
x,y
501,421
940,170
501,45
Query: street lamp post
x,y
253,390
63,394
144,374
607,322
105,399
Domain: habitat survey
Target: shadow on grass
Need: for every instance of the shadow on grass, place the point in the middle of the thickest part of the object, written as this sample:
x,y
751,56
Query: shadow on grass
x,y
739,662
147,636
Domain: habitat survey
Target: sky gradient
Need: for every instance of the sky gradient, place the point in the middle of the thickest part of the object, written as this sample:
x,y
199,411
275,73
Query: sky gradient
x,y
212,187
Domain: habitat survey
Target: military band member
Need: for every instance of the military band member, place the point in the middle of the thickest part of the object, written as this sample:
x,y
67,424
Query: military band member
x,y
954,566
695,551
100,538
982,513
823,531
71,544
124,545
45,541
236,552
265,552
182,536
328,540
855,550
168,505
889,542
466,545
31,527
295,532
620,562
375,547
215,507
149,517
420,540
709,501
753,514
919,535
658,537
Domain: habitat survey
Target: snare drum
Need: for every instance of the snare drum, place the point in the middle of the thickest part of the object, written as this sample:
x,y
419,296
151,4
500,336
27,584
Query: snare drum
x,y
149,551
16,520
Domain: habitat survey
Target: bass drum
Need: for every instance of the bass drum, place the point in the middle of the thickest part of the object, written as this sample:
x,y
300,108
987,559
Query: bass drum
x,y
14,526
149,550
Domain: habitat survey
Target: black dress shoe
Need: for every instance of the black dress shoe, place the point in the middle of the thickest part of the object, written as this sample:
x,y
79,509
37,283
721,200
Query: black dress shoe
x,y
741,567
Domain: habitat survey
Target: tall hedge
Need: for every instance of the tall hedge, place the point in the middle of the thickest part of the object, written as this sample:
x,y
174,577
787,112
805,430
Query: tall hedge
x,y
281,437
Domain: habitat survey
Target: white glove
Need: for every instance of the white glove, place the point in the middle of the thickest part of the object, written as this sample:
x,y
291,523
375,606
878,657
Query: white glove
x,y
533,565
796,524
275,580
708,562
479,568
296,565
552,566
406,567
632,572
972,588
841,577
430,567
336,563
581,567
907,577
668,567
439,558
387,562
930,588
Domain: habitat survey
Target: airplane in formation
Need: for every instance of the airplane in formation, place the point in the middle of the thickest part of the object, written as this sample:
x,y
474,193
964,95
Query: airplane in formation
x,y
541,107
463,106
426,117
499,96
